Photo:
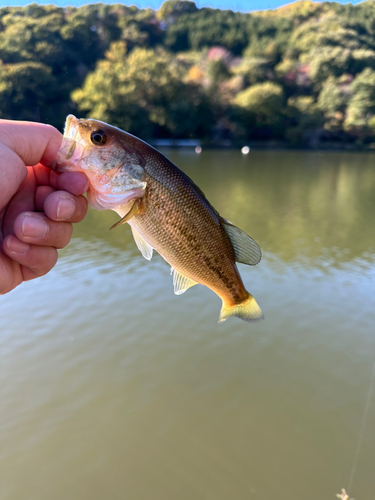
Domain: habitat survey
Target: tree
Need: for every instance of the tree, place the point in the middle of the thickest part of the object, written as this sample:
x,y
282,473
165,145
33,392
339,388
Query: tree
x,y
305,121
360,117
254,70
172,9
328,61
208,28
301,72
144,92
23,87
333,100
261,106
32,34
264,100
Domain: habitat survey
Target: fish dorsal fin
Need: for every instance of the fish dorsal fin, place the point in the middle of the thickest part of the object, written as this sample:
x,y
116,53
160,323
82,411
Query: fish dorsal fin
x,y
143,246
180,282
246,250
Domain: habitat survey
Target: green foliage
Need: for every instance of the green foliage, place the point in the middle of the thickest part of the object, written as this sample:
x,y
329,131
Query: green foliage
x,y
31,34
262,107
263,99
303,73
333,97
172,9
268,37
207,28
297,11
143,92
328,61
139,28
61,43
360,115
24,81
217,71
306,119
254,70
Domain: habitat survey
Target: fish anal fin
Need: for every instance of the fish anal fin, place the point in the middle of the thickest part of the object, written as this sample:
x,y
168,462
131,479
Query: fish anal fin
x,y
144,247
246,250
135,210
248,310
180,282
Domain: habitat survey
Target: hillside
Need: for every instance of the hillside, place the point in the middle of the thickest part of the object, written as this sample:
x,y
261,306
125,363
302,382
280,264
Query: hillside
x,y
303,74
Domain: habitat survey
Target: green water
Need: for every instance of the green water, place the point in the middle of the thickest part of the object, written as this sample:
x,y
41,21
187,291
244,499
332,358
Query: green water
x,y
112,387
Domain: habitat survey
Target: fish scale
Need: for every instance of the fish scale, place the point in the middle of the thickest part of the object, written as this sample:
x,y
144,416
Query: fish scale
x,y
187,233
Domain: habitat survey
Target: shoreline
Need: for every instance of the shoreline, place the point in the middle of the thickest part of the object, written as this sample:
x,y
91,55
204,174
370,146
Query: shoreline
x,y
259,145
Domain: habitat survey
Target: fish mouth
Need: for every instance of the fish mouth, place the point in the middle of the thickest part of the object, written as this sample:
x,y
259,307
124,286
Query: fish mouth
x,y
68,146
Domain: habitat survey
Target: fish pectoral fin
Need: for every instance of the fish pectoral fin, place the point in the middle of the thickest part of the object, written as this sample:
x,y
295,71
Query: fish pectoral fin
x,y
246,250
145,249
180,282
135,209
248,310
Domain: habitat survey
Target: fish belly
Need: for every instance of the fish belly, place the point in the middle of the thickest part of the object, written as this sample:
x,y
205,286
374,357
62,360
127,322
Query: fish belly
x,y
195,245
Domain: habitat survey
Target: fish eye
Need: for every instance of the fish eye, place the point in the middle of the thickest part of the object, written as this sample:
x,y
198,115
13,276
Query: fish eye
x,y
99,137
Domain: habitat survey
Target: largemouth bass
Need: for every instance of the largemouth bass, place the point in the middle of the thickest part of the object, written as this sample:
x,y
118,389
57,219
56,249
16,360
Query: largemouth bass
x,y
165,210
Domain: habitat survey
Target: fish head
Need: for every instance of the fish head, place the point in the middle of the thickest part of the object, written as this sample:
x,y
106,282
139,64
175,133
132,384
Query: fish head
x,y
108,156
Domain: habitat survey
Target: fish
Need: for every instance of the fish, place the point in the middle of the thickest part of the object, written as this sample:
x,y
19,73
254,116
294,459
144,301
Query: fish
x,y
166,210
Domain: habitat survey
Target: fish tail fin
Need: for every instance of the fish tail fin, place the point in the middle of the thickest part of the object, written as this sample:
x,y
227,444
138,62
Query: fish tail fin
x,y
248,310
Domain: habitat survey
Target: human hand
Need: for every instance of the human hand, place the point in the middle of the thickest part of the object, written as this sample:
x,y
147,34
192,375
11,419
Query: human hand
x,y
37,206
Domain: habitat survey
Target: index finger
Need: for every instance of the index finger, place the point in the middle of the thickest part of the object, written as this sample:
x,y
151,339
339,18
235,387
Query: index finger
x,y
21,144
32,142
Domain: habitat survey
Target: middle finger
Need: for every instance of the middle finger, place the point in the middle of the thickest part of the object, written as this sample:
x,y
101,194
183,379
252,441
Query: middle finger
x,y
63,206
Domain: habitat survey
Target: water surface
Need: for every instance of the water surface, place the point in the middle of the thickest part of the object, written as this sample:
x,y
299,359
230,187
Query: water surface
x,y
113,387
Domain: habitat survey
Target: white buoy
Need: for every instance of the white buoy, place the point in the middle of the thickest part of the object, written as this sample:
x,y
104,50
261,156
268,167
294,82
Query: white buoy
x,y
245,150
198,150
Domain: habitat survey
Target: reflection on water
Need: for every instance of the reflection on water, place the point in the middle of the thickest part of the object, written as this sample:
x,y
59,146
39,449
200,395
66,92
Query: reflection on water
x,y
113,387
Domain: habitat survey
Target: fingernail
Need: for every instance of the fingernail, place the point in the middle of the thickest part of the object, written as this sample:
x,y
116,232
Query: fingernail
x,y
34,226
16,246
65,208
87,185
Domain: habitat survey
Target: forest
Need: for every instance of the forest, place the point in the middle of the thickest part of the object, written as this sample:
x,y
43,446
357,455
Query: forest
x,y
302,75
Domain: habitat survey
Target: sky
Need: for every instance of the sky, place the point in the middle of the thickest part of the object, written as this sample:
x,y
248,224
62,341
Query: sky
x,y
238,5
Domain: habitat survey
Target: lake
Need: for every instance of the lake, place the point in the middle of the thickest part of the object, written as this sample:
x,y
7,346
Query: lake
x,y
112,387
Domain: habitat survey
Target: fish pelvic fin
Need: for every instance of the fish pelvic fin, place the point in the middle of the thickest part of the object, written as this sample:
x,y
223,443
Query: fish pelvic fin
x,y
248,310
135,210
